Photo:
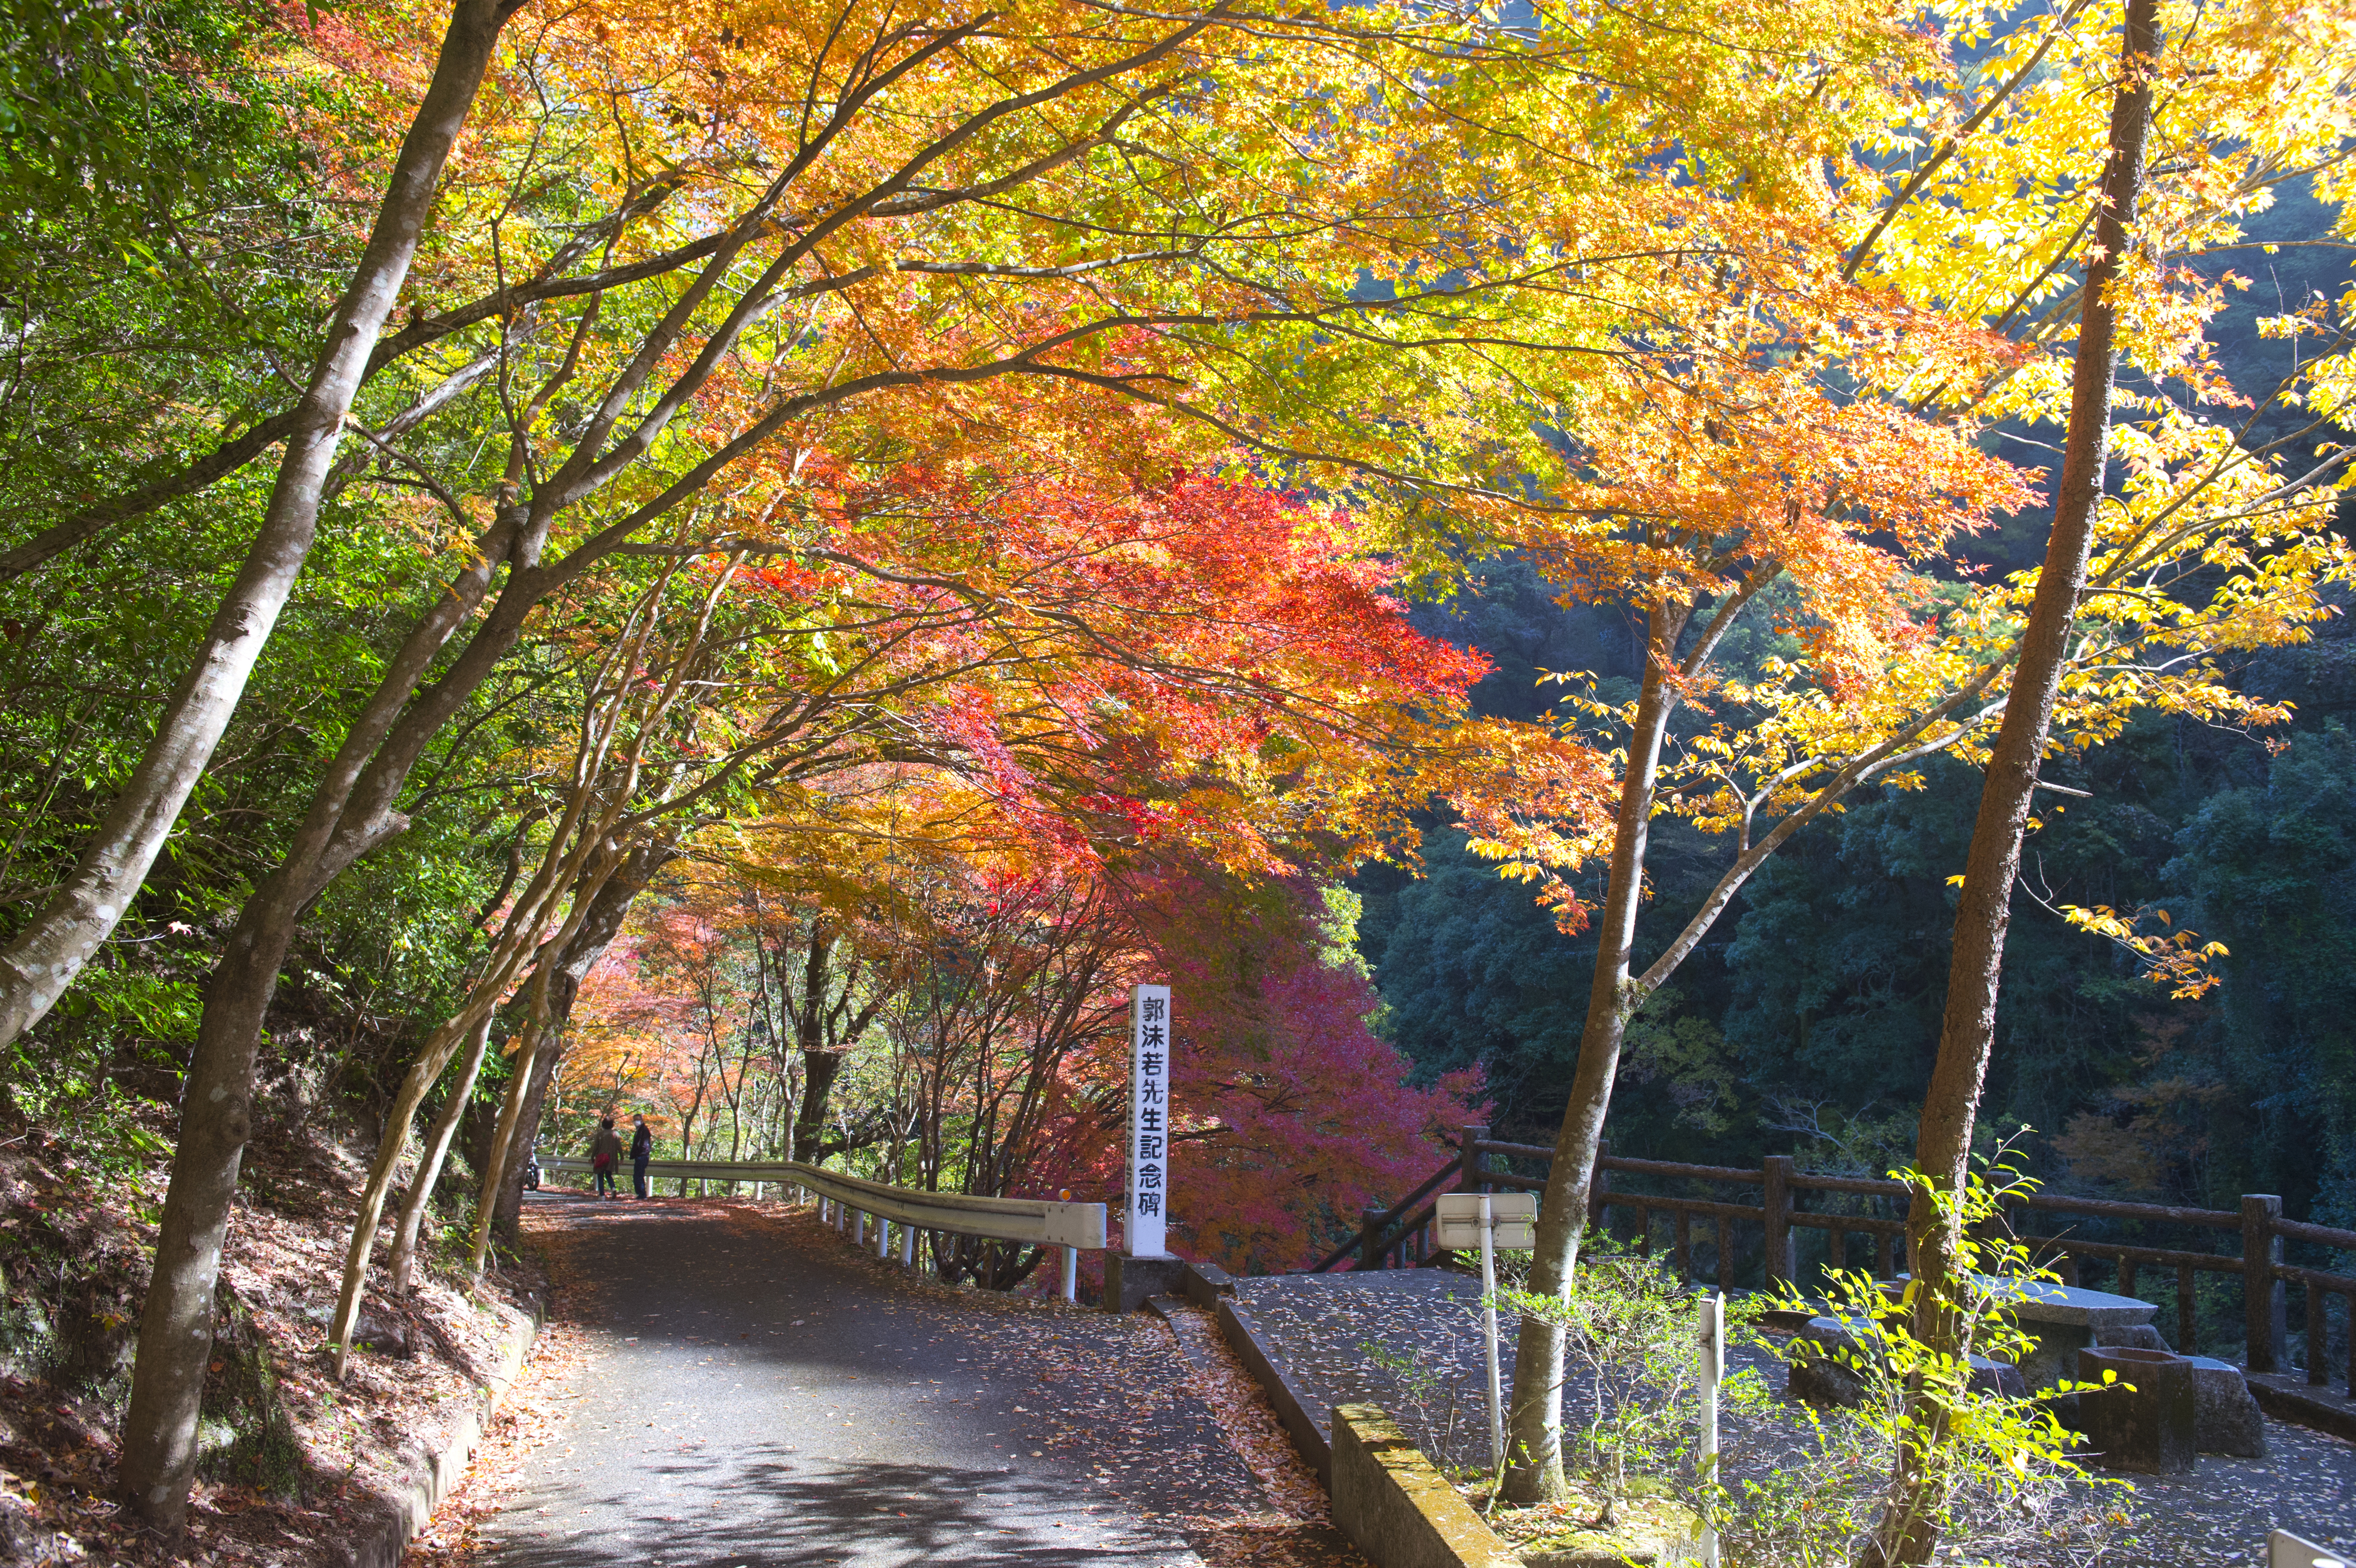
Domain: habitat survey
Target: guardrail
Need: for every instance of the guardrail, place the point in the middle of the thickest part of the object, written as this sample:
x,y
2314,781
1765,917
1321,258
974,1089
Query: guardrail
x,y
849,1202
1782,1213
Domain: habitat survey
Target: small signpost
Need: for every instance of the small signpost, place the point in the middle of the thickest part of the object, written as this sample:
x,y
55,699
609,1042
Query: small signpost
x,y
1148,1123
1489,1220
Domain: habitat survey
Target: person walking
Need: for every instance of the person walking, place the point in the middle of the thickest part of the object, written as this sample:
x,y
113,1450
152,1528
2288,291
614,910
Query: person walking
x,y
605,1151
642,1149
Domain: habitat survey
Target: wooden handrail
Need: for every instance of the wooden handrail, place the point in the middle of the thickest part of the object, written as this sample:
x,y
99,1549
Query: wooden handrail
x,y
1689,1173
1379,1227
2322,1235
2155,1213
1867,1186
2259,1222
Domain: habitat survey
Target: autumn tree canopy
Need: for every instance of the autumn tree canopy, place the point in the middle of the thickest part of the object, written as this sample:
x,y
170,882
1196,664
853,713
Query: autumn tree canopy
x,y
764,564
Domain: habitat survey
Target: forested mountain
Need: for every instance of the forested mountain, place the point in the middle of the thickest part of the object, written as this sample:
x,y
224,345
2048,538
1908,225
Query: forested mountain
x,y
1808,1019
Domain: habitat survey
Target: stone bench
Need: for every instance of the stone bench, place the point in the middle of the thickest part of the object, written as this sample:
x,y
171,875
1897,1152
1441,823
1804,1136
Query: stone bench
x,y
2065,1319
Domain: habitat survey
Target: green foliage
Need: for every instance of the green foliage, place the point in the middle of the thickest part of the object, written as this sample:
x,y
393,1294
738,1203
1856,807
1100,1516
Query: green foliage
x,y
114,103
1441,1412
1473,972
1687,1058
1633,1336
1997,1477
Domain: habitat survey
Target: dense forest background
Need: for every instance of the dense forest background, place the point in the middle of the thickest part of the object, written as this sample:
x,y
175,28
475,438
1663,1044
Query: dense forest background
x,y
1808,1021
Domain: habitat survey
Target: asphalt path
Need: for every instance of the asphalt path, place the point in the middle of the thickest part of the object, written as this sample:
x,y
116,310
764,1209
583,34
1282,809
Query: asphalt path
x,y
759,1393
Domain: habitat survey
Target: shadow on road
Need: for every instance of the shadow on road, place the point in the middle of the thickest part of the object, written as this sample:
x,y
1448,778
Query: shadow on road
x,y
766,1507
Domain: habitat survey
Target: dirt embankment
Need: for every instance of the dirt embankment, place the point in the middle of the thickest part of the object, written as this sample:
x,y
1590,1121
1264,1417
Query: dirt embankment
x,y
296,1467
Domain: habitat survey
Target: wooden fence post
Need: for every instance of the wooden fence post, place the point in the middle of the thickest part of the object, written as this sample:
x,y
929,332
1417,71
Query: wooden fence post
x,y
2319,1337
1777,1203
2265,1303
1370,1236
1474,1164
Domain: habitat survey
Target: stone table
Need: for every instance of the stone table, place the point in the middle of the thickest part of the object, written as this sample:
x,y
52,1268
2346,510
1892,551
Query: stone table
x,y
2064,1320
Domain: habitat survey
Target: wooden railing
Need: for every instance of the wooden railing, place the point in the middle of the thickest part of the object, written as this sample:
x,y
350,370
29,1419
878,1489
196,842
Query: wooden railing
x,y
1783,1210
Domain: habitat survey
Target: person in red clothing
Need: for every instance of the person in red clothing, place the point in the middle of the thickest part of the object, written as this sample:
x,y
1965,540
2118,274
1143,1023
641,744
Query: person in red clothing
x,y
604,1150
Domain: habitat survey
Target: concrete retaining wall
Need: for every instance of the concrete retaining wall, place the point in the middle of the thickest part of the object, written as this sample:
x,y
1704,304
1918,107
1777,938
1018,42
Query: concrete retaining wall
x,y
435,1472
1399,1510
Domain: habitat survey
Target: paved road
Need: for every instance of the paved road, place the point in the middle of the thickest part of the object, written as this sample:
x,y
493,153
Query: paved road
x,y
756,1393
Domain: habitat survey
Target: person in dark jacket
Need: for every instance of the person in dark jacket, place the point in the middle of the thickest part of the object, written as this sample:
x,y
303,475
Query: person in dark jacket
x,y
642,1149
604,1152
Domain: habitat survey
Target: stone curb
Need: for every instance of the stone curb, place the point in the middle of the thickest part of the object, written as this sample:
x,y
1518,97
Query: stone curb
x,y
433,1474
1236,1325
1399,1510
2294,1399
1161,1306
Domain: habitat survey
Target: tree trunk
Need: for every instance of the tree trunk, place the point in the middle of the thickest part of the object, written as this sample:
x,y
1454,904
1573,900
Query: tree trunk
x,y
819,1073
534,1041
1909,1532
597,931
429,1166
507,1214
472,1021
1533,1435
43,959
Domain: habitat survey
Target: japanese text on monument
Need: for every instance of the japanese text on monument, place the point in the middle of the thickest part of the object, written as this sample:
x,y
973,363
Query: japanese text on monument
x,y
1148,1136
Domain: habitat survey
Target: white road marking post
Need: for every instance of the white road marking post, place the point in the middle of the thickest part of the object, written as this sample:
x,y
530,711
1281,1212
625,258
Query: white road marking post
x,y
2285,1550
1713,1372
1489,1332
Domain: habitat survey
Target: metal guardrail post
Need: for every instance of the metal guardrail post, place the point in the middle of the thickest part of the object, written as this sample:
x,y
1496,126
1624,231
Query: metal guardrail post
x,y
2265,1305
1072,1274
848,1202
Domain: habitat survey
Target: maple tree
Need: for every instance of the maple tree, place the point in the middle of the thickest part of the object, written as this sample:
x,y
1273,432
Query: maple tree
x,y
626,342
996,1061
2245,97
2211,550
1054,666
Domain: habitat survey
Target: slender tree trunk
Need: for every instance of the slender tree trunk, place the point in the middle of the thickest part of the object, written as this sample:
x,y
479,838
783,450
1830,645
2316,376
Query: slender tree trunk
x,y
1533,1435
474,1018
541,1026
598,929
429,1166
43,959
533,1041
1909,1532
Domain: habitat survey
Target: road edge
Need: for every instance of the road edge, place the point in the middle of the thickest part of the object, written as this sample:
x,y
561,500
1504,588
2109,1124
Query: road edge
x,y
1236,1325
435,1473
